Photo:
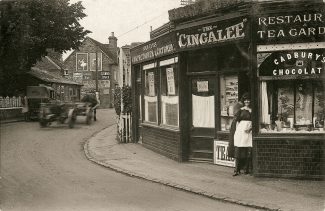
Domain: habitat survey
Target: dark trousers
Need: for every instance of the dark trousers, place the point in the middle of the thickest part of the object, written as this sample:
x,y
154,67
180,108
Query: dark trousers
x,y
95,119
243,160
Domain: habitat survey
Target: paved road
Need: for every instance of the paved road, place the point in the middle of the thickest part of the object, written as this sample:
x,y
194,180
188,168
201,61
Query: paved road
x,y
46,169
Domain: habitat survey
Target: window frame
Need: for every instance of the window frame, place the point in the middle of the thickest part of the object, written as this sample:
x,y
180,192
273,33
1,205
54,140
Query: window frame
x,y
163,65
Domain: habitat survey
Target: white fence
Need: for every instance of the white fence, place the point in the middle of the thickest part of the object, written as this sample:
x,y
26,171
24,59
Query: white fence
x,y
10,102
124,128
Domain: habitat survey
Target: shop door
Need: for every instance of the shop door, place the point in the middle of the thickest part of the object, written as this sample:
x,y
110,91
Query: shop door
x,y
202,118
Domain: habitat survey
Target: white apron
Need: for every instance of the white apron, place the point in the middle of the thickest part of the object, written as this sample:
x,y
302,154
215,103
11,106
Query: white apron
x,y
242,138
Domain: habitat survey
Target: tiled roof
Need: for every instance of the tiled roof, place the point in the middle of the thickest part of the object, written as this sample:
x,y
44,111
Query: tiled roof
x,y
48,77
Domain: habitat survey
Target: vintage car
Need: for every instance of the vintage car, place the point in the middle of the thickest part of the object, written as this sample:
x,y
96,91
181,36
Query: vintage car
x,y
35,96
84,109
59,112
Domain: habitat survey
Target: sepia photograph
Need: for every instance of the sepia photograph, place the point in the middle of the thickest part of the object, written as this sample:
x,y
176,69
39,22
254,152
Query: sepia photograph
x,y
167,105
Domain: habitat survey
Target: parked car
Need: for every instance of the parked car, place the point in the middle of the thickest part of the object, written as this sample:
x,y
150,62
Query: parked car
x,y
35,96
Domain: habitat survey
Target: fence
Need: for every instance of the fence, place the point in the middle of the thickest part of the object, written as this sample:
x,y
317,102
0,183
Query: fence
x,y
10,102
10,108
124,128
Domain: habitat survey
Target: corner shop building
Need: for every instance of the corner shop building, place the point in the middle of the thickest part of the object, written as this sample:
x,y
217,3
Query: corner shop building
x,y
188,78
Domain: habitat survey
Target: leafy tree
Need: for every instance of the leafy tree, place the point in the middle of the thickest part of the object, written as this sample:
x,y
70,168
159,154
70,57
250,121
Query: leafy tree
x,y
28,28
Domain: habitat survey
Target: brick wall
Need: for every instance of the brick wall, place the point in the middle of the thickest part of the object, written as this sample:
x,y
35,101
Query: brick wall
x,y
106,87
289,158
164,142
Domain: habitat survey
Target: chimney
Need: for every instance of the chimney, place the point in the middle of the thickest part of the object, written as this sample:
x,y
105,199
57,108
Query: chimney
x,y
112,41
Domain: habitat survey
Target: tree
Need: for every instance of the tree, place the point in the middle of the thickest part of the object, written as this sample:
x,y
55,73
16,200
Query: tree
x,y
28,28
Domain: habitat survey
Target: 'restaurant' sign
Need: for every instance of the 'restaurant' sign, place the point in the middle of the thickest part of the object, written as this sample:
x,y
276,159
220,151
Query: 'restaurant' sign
x,y
213,33
290,28
156,48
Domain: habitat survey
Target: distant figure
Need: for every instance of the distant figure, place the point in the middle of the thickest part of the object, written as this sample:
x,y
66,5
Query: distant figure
x,y
94,103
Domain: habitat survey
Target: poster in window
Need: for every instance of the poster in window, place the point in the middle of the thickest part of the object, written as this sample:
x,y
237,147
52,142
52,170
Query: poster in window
x,y
82,61
92,58
151,80
170,81
202,86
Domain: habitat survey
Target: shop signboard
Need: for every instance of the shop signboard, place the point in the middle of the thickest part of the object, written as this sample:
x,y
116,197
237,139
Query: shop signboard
x,y
221,154
212,34
103,75
87,76
293,64
290,28
77,77
161,46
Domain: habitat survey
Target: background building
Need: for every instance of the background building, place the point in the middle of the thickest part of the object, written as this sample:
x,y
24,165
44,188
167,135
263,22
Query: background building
x,y
80,66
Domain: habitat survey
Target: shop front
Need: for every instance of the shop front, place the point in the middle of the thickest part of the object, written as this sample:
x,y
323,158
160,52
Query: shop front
x,y
188,81
156,110
215,58
289,137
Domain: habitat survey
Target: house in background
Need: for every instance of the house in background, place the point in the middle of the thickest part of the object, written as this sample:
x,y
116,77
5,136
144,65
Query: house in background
x,y
80,66
49,71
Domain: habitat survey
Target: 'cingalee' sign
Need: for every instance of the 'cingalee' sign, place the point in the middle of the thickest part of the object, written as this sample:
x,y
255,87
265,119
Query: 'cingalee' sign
x,y
212,34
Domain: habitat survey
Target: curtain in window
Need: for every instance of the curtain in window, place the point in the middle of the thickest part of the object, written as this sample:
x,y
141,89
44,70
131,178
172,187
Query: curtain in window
x,y
203,111
265,104
168,100
150,100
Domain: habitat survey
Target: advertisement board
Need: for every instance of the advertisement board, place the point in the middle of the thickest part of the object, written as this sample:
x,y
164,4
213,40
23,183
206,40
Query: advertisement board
x,y
220,152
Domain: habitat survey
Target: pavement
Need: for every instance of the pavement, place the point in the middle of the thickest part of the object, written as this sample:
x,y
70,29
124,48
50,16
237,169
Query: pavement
x,y
213,181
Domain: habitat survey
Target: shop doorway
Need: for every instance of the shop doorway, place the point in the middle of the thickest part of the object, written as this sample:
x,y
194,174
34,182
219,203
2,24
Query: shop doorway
x,y
202,118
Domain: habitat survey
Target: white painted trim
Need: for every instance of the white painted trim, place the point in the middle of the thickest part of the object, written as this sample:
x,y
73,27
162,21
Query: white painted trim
x,y
168,61
286,47
149,66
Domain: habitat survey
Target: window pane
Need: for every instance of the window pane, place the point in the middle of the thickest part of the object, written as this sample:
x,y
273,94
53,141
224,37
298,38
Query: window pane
x,y
150,96
169,95
319,107
228,100
203,102
292,106
304,98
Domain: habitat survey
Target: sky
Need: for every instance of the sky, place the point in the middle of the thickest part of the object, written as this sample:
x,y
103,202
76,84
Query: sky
x,y
130,20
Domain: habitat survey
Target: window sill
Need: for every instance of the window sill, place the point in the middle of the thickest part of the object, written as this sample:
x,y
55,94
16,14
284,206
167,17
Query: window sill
x,y
289,136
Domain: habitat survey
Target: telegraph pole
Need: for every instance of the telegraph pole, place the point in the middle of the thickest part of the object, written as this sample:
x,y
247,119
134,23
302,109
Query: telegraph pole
x,y
96,65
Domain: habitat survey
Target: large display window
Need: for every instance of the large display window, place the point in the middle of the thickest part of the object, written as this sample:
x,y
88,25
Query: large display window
x,y
169,92
292,91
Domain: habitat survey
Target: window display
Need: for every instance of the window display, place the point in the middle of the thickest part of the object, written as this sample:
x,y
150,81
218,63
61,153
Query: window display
x,y
150,94
292,92
169,95
229,98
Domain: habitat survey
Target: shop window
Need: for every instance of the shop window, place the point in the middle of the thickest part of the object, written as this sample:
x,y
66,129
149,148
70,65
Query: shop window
x,y
292,92
150,93
292,106
169,92
228,100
